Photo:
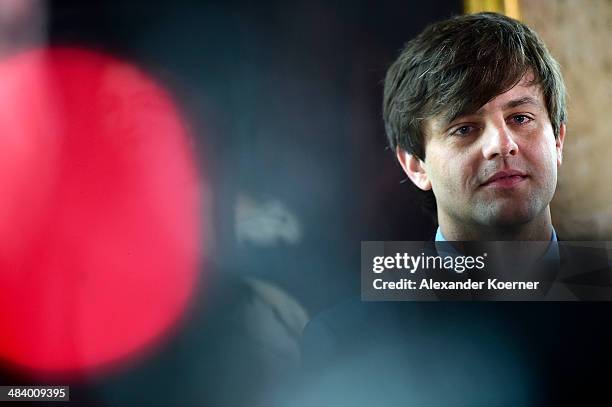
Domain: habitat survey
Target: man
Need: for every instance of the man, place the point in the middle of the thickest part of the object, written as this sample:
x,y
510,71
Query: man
x,y
474,108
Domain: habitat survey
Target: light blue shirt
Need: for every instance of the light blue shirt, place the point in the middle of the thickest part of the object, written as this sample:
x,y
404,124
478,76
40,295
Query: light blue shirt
x,y
440,237
552,253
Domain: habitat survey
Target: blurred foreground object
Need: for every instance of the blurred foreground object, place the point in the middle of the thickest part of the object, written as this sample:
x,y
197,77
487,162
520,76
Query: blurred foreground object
x,y
99,212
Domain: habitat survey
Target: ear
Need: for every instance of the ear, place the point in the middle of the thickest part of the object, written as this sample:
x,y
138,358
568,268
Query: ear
x,y
414,167
559,144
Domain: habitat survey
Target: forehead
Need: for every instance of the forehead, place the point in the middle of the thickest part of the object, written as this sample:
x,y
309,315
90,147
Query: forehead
x,y
523,93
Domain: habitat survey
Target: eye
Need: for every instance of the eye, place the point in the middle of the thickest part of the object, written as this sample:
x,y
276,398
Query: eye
x,y
463,130
521,119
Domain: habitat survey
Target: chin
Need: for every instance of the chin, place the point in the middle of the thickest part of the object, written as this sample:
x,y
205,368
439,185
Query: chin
x,y
509,217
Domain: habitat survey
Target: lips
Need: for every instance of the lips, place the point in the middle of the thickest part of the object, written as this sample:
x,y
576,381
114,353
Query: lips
x,y
506,178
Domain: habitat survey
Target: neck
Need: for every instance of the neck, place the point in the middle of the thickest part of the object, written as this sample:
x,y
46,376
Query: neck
x,y
538,229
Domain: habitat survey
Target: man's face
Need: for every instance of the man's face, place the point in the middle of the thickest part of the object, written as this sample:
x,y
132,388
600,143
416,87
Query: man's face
x,y
496,167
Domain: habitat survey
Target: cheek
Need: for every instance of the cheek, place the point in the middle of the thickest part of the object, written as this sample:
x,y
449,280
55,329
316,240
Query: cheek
x,y
542,159
451,173
544,155
542,149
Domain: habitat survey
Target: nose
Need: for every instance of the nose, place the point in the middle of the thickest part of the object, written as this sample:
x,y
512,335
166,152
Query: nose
x,y
498,142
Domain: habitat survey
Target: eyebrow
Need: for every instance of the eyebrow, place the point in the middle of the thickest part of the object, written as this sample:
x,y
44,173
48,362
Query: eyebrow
x,y
527,100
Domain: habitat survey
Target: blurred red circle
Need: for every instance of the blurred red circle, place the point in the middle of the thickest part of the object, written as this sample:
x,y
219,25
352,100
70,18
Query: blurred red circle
x,y
99,210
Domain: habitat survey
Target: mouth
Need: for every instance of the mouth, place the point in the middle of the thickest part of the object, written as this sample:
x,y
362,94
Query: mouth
x,y
505,179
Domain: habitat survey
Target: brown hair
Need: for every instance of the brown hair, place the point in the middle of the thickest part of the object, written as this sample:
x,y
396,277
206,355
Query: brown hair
x,y
455,66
